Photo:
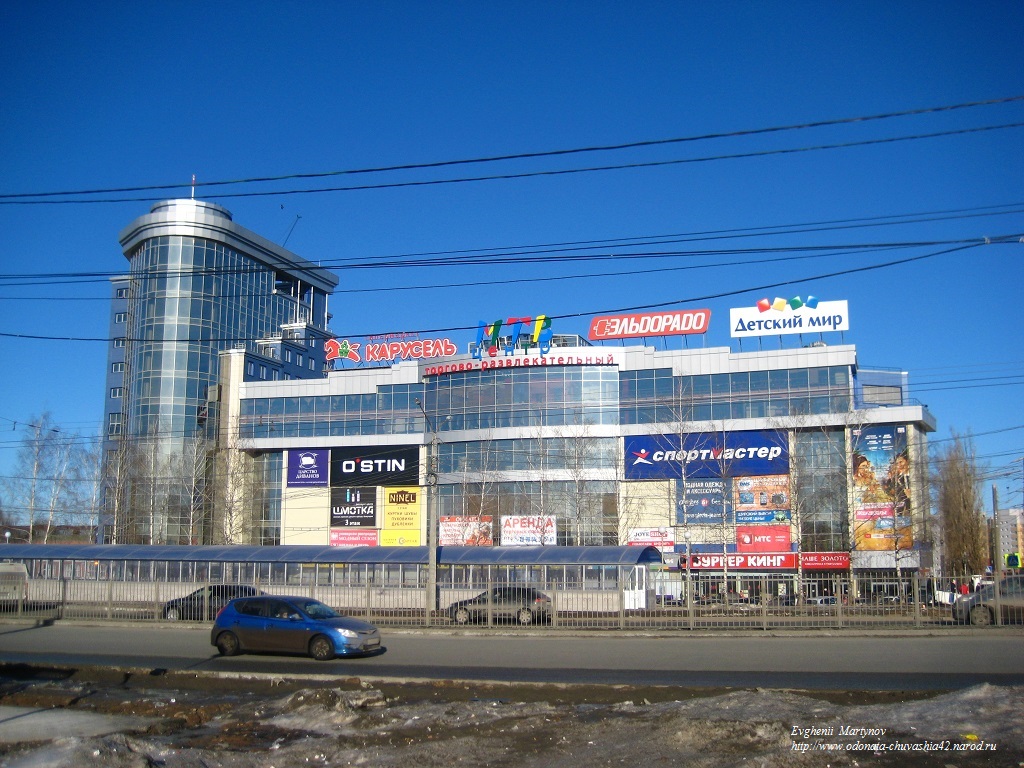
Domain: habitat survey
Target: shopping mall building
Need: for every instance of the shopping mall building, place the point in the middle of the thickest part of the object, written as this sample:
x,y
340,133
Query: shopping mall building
x,y
782,460
792,459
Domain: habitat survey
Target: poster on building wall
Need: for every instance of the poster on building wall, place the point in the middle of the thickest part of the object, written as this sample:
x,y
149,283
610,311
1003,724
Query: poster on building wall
x,y
881,489
703,502
403,517
763,538
468,531
401,538
755,516
403,507
375,465
761,499
528,531
662,538
308,467
354,507
353,537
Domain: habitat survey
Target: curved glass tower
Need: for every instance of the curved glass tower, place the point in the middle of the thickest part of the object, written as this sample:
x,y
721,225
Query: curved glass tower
x,y
198,284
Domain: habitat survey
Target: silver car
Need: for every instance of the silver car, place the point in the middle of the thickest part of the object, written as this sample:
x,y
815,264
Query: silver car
x,y
979,607
524,605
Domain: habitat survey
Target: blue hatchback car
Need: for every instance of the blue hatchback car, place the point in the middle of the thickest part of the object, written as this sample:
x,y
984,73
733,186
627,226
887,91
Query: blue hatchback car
x,y
286,624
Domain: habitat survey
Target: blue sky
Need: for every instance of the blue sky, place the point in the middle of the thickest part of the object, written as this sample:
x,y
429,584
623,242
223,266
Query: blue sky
x,y
114,95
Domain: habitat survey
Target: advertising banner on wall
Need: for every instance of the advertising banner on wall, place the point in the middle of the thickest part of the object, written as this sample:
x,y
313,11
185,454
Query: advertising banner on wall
x,y
662,538
308,467
825,561
353,537
469,531
376,465
756,516
354,507
702,502
528,531
881,489
761,498
706,454
787,316
762,538
403,507
401,538
745,562
403,516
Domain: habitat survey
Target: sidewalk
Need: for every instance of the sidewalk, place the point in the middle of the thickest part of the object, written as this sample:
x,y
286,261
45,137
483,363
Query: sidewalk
x,y
27,724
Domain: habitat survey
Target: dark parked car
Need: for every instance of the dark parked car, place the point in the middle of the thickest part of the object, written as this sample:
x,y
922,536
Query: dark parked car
x,y
204,603
821,600
522,604
979,607
276,624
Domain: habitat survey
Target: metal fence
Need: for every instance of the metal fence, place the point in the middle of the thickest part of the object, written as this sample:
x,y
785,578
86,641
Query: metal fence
x,y
617,597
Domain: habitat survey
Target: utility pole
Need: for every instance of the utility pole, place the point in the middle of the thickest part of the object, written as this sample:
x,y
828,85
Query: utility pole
x,y
433,501
997,558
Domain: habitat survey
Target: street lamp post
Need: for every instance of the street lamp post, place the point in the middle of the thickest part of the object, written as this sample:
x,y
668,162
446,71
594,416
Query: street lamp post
x,y
689,586
7,537
433,501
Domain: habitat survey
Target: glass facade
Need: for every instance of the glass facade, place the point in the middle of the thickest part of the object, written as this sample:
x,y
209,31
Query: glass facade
x,y
818,471
658,397
198,285
190,299
552,397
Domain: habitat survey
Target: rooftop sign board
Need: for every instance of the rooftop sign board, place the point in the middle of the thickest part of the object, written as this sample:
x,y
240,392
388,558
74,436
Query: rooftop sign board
x,y
519,336
675,323
389,350
788,316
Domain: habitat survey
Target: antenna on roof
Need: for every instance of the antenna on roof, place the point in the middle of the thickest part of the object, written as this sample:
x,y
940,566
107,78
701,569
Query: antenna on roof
x,y
193,186
290,230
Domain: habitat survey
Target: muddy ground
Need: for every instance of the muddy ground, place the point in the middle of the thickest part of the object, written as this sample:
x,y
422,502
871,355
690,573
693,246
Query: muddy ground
x,y
244,722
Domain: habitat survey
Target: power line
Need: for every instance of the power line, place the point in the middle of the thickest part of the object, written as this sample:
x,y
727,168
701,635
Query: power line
x,y
536,174
519,251
588,313
537,154
487,260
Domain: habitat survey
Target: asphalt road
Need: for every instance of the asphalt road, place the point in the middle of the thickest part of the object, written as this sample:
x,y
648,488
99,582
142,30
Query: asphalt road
x,y
846,660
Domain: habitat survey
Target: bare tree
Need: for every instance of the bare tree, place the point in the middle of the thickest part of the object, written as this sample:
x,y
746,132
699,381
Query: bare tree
x,y
239,490
40,487
121,472
193,467
89,486
63,469
958,483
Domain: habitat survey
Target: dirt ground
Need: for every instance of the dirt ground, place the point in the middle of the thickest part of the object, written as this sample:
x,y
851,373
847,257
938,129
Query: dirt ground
x,y
244,722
